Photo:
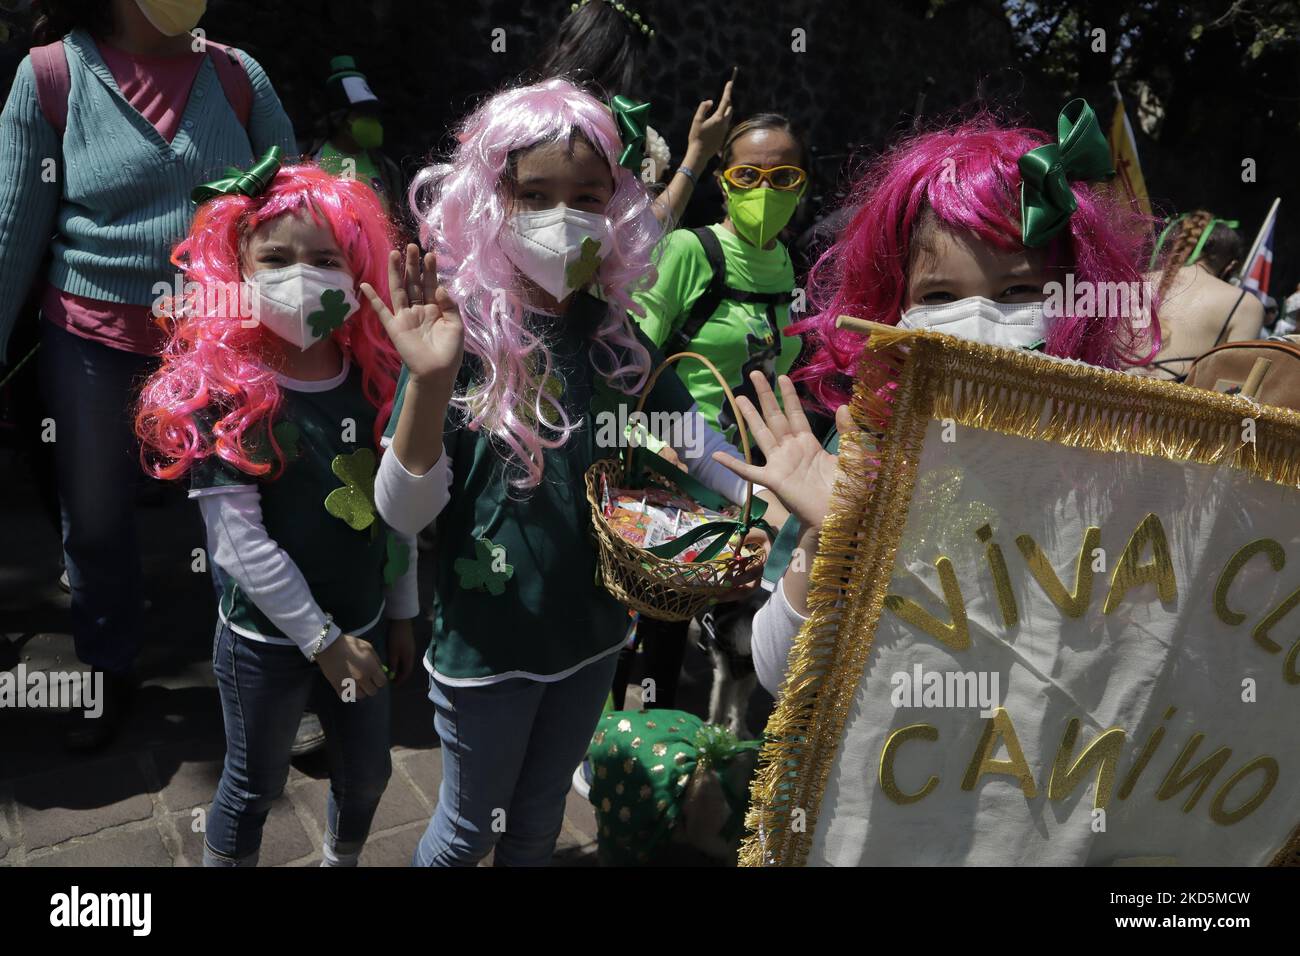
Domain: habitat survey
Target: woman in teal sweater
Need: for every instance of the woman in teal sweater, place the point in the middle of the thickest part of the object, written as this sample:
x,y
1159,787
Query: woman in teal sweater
x,y
147,117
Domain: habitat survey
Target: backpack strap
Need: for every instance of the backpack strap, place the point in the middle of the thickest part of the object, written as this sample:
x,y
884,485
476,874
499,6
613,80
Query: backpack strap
x,y
709,299
1231,312
234,79
53,83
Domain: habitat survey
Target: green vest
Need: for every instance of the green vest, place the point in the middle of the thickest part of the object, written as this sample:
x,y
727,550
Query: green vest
x,y
516,587
344,566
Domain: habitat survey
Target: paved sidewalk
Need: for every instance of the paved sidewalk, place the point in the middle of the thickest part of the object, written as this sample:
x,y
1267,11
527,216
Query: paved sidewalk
x,y
140,801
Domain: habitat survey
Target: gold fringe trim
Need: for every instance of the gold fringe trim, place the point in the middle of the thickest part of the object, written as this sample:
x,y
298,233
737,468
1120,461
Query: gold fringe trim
x,y
1289,855
979,386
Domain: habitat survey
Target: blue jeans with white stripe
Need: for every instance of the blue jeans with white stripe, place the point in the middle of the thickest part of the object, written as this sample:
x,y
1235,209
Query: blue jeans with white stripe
x,y
264,688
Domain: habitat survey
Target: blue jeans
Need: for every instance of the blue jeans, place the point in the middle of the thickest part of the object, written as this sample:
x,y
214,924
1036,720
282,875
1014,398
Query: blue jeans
x,y
508,754
264,688
90,391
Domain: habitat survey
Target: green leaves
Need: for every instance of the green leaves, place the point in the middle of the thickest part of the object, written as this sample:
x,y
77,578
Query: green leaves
x,y
580,273
487,570
354,503
333,313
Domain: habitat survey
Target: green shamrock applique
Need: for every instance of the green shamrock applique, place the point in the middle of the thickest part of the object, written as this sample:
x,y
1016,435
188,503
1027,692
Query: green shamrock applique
x,y
354,503
581,272
398,559
487,569
286,436
333,312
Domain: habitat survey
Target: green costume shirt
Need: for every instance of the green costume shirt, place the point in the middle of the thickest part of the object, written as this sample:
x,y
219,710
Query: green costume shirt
x,y
516,587
320,510
738,337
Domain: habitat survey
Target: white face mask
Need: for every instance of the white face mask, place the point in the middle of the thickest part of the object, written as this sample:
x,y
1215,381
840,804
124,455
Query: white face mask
x,y
302,304
978,319
547,246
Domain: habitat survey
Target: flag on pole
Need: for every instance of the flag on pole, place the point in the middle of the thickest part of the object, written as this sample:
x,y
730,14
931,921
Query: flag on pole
x,y
1258,267
1124,157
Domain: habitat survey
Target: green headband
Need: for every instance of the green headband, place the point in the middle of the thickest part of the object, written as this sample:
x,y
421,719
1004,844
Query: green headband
x,y
1080,153
1200,243
636,19
238,182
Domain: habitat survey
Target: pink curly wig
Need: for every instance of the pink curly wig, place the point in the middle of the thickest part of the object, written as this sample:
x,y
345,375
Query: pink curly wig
x,y
865,273
463,207
211,362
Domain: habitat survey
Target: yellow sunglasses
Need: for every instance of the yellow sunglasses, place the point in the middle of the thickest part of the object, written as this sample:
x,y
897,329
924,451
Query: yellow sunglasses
x,y
786,178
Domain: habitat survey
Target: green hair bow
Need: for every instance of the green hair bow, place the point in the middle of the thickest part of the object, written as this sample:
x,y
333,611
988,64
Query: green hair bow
x,y
1080,152
238,182
631,117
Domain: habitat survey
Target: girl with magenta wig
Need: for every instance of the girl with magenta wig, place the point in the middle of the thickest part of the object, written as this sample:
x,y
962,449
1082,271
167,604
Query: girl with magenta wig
x,y
271,397
944,237
949,200
519,357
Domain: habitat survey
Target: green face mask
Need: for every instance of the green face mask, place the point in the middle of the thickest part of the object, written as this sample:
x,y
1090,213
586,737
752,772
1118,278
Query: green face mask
x,y
367,131
760,214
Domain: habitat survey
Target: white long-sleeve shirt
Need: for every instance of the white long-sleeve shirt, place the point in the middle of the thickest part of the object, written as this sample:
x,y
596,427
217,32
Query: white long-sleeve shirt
x,y
239,544
409,502
775,627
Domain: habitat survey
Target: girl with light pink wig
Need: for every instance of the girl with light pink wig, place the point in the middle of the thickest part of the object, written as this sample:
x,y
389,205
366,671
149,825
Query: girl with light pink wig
x,y
272,394
532,211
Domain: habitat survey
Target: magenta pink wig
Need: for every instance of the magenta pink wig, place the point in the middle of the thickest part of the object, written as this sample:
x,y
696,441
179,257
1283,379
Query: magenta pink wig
x,y
967,176
212,364
463,209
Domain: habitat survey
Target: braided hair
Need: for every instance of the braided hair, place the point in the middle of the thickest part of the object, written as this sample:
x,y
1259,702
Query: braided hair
x,y
1222,247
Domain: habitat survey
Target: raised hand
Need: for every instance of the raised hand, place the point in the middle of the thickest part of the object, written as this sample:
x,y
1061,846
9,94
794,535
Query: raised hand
x,y
709,127
798,470
424,324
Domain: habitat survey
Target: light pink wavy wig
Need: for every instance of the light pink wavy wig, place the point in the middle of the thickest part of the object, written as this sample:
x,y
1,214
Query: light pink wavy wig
x,y
463,208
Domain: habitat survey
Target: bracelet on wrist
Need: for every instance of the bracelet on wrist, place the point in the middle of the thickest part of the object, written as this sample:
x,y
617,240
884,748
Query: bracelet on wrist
x,y
689,174
320,638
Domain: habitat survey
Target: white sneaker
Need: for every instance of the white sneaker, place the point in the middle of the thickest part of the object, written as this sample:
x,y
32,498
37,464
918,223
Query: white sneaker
x,y
582,779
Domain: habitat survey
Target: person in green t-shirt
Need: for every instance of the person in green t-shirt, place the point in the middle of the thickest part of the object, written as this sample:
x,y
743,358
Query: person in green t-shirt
x,y
724,291
511,370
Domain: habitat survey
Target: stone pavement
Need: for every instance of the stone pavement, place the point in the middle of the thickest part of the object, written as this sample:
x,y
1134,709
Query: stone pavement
x,y
139,802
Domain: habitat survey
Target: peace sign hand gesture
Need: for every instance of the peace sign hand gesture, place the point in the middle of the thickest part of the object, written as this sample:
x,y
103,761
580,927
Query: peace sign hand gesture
x,y
424,324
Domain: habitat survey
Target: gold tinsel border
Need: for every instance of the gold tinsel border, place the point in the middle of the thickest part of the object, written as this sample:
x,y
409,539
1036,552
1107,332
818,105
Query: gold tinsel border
x,y
979,386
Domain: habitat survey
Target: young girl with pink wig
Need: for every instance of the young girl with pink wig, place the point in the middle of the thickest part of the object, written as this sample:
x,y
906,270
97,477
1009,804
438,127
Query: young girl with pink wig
x,y
272,394
532,211
960,231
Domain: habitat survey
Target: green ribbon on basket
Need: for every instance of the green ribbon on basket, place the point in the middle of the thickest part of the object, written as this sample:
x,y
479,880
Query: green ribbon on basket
x,y
1081,153
645,461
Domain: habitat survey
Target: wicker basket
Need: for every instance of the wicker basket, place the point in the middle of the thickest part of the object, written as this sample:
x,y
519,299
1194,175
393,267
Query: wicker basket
x,y
664,588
